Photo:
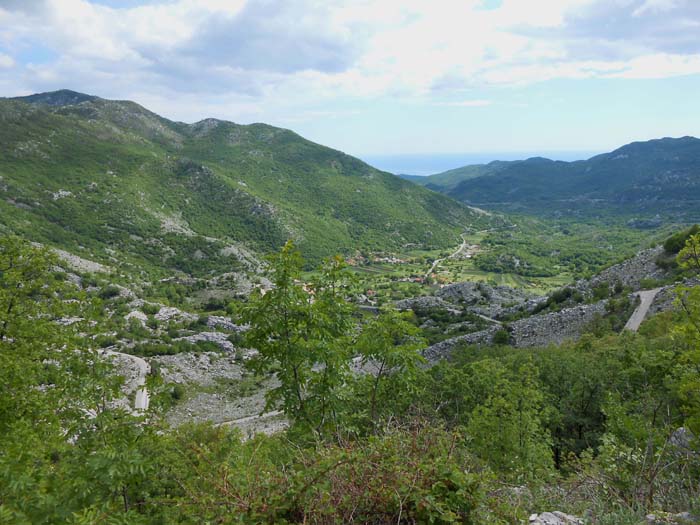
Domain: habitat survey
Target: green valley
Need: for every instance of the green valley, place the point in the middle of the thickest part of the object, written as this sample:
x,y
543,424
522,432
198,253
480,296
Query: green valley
x,y
223,323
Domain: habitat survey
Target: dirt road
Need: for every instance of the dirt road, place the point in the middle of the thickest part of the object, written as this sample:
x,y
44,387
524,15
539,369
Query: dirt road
x,y
646,298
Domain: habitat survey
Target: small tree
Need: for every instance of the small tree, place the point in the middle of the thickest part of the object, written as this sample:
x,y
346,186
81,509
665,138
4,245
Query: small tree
x,y
300,331
689,257
56,424
507,429
389,346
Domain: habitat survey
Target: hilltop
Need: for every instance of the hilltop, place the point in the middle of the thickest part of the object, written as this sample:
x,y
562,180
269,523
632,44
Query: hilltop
x,y
112,181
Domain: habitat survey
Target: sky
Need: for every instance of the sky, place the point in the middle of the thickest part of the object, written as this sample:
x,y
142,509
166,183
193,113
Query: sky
x,y
378,77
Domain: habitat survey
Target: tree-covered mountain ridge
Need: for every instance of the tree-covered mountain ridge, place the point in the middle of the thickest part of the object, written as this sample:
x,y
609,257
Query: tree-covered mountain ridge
x,y
101,177
660,176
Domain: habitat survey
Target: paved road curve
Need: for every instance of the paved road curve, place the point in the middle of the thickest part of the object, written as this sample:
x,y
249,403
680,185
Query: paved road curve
x,y
462,246
646,298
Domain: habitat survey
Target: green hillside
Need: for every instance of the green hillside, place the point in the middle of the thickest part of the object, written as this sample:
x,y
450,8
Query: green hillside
x,y
448,180
643,178
101,178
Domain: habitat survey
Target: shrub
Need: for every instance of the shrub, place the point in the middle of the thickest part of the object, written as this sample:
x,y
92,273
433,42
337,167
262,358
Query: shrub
x,y
150,309
601,291
103,341
109,292
178,392
676,242
502,337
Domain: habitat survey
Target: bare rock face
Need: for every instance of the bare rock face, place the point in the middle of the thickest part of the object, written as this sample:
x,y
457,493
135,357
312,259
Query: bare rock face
x,y
167,313
671,519
665,300
555,327
538,330
218,338
225,323
444,349
487,300
632,271
428,301
138,315
554,518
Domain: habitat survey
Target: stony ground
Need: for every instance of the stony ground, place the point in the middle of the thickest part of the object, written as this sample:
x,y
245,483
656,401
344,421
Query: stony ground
x,y
217,388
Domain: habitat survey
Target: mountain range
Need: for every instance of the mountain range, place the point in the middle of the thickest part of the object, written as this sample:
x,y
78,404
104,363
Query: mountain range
x,y
659,176
99,177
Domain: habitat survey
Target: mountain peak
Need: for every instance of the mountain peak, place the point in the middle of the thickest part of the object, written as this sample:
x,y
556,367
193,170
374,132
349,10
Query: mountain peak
x,y
62,97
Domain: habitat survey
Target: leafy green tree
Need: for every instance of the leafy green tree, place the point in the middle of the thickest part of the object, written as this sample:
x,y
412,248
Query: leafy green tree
x,y
301,332
507,429
689,257
63,447
688,368
389,348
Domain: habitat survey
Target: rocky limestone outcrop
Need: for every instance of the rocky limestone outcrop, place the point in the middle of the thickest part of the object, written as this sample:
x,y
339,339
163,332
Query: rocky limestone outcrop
x,y
166,313
444,349
428,301
538,330
555,327
204,369
630,272
138,315
229,403
554,518
487,300
665,300
218,338
665,518
225,323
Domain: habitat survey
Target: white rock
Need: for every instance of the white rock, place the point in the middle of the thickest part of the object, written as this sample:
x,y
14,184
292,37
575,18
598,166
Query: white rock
x,y
168,312
136,314
60,194
215,321
554,518
221,340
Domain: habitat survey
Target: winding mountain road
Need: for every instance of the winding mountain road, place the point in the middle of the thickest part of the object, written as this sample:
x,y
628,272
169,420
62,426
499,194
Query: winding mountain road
x,y
462,247
646,298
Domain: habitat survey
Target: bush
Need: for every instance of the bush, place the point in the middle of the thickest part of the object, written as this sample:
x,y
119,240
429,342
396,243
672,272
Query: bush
x,y
214,304
676,242
109,292
502,337
178,392
401,477
150,309
236,339
601,291
103,341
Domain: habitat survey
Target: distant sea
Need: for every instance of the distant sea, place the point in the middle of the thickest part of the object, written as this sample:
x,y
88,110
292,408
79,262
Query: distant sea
x,y
428,164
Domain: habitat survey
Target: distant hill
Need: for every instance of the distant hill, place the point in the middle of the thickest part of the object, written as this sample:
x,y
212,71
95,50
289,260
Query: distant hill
x,y
643,178
114,181
447,180
63,97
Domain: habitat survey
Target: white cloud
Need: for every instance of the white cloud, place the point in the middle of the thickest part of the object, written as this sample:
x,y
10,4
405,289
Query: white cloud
x,y
477,103
251,58
658,66
655,6
6,61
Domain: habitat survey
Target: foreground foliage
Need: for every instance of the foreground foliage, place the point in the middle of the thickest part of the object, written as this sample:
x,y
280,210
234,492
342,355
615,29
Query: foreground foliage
x,y
604,426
